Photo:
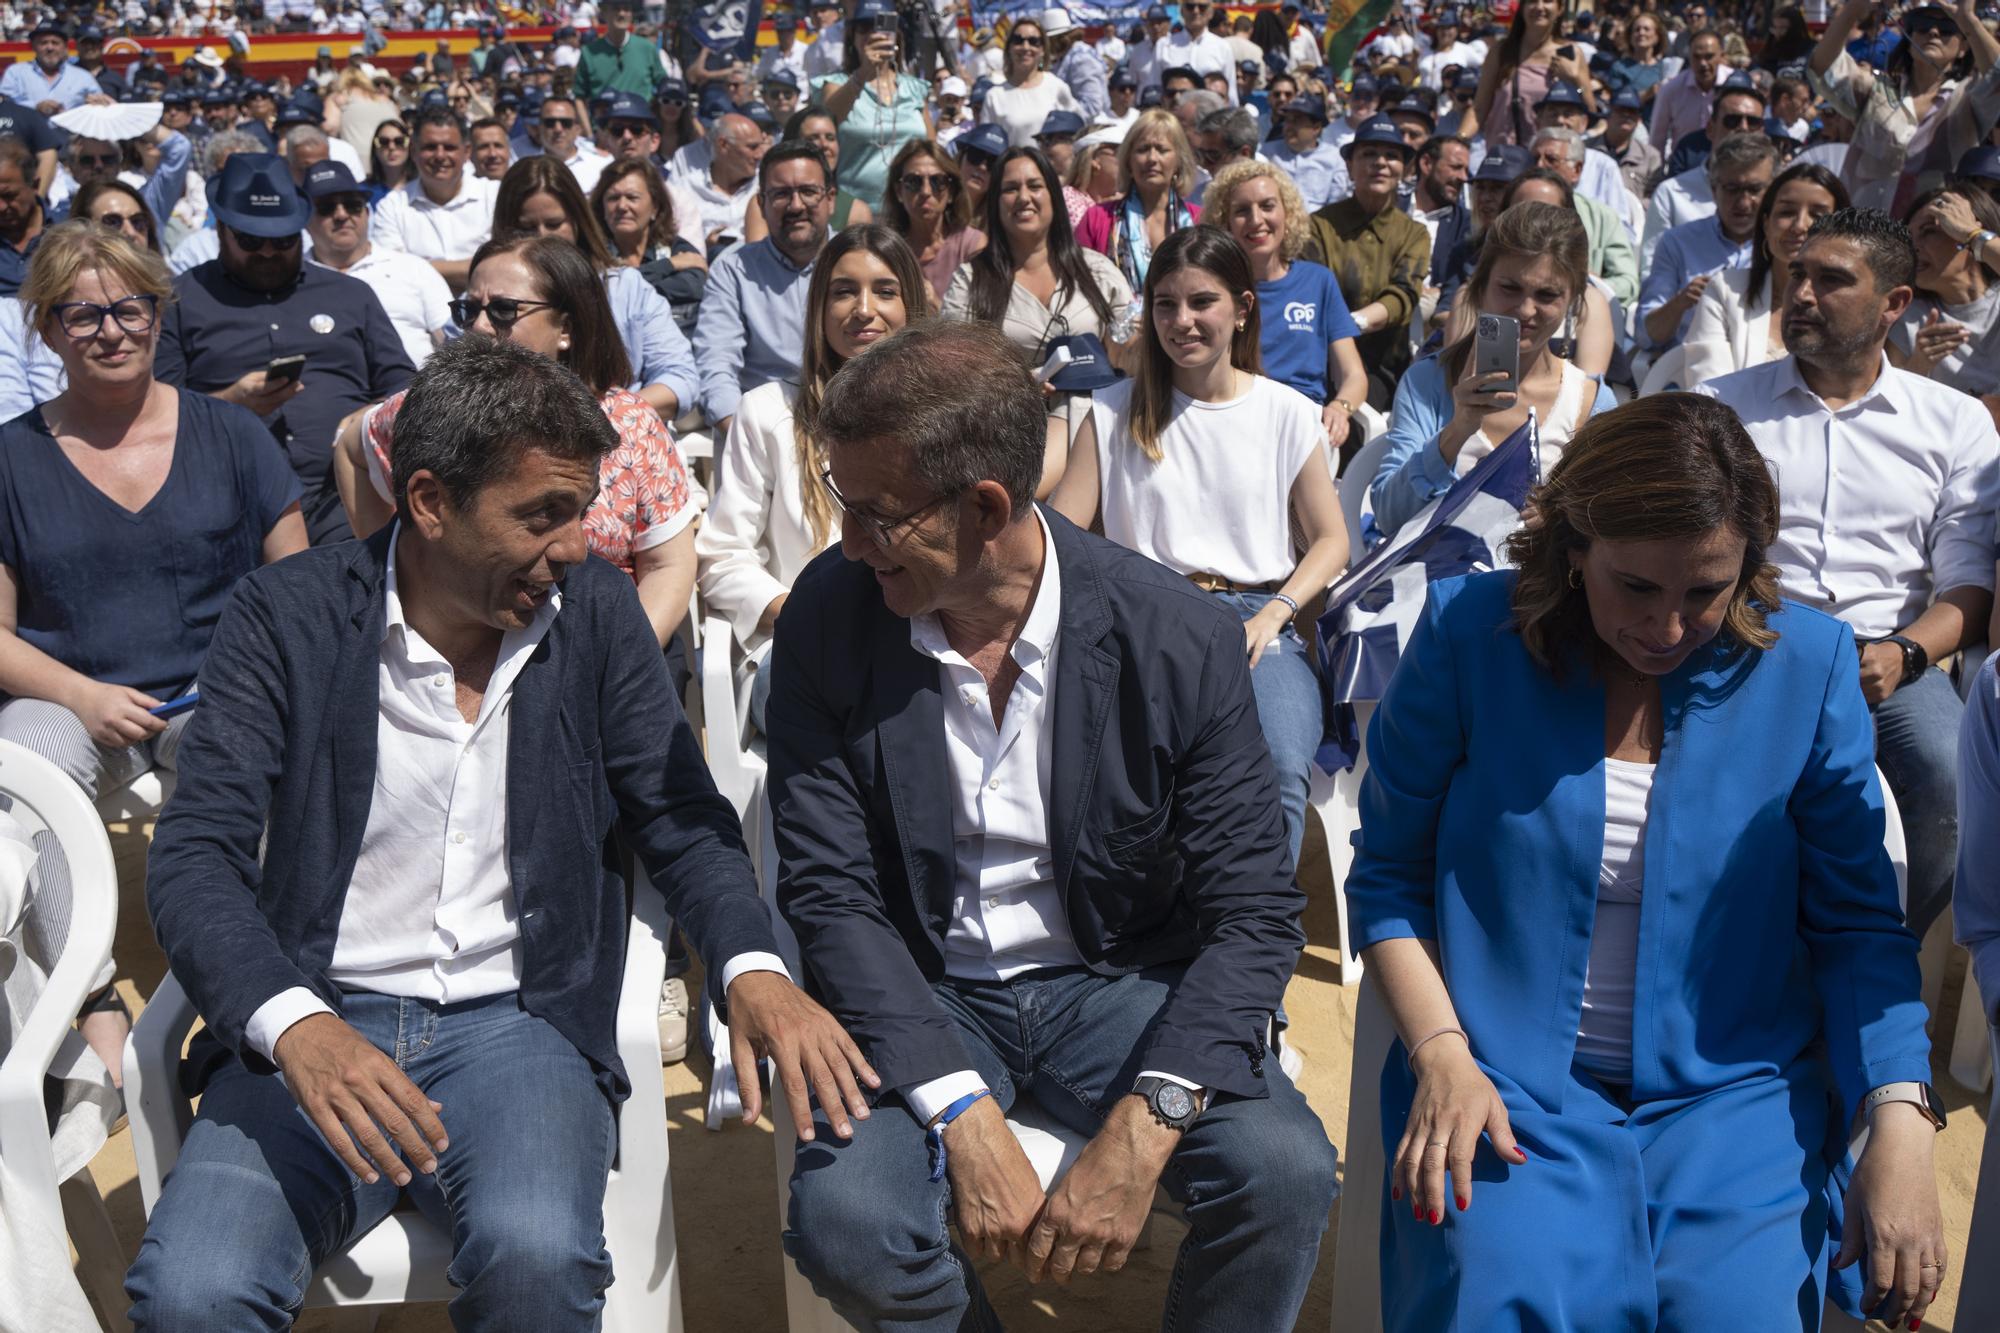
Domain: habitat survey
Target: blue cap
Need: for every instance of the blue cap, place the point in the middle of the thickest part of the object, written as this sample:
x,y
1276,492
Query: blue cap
x,y
254,194
218,97
1123,78
785,21
1739,83
780,77
671,90
1149,97
435,97
1309,105
1376,129
1628,101
1364,86
761,116
255,89
508,101
1561,93
1415,104
980,87
868,11
988,139
292,113
1156,14
564,31
330,178
91,34
1089,367
629,106
1468,81
1446,17
1060,122
1249,67
48,28
1778,130
1982,163
1504,164
176,97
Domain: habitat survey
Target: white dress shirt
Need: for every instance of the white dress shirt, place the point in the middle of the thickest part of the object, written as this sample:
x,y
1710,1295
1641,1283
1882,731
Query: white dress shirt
x,y
409,220
587,164
413,295
1205,55
1883,504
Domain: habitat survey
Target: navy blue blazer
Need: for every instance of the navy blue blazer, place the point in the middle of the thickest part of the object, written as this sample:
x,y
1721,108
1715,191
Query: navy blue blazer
x,y
285,739
1167,838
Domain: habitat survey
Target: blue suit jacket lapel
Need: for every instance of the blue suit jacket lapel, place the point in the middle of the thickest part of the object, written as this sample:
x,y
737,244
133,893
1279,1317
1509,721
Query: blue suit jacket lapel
x,y
910,729
356,686
1085,686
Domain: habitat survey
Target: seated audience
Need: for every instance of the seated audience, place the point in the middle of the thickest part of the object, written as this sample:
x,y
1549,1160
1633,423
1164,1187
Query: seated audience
x,y
361,704
540,198
1157,167
563,142
1740,108
1951,332
1687,196
391,165
1739,320
128,510
1597,176
1305,335
445,213
1227,134
413,294
721,172
631,130
963,637
1443,166
816,126
492,152
636,211
926,206
752,317
1202,463
1380,253
1637,160
1057,140
1627,1126
977,150
259,302
1490,181
1740,169
771,513
1315,166
22,218
114,204
1534,268
1887,487
1612,259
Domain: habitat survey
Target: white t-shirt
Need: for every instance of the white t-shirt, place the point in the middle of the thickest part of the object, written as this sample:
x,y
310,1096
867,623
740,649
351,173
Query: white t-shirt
x,y
1219,499
1021,111
1604,1032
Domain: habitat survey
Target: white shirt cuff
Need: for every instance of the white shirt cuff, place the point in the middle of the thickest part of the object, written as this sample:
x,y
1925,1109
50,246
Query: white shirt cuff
x,y
1189,1084
277,1014
752,962
929,1099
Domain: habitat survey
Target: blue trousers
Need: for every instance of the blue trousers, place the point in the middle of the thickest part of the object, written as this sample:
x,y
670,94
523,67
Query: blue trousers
x,y
871,1231
1706,1211
1916,746
1288,709
257,1200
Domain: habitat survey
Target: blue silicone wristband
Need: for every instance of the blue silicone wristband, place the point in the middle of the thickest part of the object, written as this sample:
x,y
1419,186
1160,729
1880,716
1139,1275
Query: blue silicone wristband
x,y
934,1136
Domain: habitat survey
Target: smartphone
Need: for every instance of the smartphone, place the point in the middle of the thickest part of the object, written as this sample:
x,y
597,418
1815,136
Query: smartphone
x,y
1497,346
283,370
175,706
1566,52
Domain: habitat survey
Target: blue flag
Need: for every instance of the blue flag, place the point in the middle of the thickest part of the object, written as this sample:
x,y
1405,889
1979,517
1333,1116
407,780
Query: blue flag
x,y
1371,613
728,27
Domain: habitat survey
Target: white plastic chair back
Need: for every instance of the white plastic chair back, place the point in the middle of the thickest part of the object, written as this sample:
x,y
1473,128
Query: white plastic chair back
x,y
1669,370
1354,491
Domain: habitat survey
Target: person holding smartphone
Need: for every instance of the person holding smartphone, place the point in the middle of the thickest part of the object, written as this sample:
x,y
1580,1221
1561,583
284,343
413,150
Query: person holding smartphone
x,y
1533,268
878,108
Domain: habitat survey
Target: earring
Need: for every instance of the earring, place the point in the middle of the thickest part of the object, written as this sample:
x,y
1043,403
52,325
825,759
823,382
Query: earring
x,y
1575,577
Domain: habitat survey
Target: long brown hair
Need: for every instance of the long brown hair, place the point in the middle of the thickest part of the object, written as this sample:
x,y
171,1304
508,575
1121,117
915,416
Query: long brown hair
x,y
1666,466
1527,230
544,175
1216,253
957,211
568,282
818,362
992,269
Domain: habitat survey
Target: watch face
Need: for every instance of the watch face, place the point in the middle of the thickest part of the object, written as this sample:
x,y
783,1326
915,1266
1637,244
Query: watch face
x,y
1175,1101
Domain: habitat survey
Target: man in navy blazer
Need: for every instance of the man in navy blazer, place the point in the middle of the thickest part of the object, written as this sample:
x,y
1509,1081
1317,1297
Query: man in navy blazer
x,y
434,734
1031,844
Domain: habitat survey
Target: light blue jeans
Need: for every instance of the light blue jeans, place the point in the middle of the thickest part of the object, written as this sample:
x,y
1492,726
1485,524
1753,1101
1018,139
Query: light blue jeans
x,y
257,1200
1916,746
1288,707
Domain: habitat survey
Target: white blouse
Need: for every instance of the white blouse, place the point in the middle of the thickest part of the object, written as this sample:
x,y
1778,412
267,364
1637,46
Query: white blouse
x,y
1728,331
1604,1033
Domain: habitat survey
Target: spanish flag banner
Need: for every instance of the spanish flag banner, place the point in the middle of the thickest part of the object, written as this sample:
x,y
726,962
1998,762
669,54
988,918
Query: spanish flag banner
x,y
1347,22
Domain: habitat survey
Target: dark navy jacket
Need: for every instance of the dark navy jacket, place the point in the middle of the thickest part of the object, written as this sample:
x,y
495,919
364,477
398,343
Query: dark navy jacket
x,y
1167,838
285,738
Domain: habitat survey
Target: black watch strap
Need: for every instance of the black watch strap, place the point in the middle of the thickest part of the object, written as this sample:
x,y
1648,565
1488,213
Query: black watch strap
x,y
1915,659
1171,1104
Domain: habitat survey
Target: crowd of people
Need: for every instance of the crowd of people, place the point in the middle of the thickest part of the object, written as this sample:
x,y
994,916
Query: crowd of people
x,y
322,389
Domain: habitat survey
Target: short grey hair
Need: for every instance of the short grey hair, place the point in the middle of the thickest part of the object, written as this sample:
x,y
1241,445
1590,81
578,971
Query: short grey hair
x,y
1236,124
478,405
224,145
1572,142
1741,152
1202,101
304,135
956,396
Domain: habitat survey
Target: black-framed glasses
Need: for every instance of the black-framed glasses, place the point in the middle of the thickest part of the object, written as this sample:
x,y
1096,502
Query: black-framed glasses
x,y
502,312
85,319
98,159
1930,20
258,244
972,157
916,182
627,129
808,196
355,205
132,222
880,530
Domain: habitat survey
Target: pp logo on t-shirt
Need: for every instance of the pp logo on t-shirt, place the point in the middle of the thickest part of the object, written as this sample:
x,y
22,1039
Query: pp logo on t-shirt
x,y
1300,316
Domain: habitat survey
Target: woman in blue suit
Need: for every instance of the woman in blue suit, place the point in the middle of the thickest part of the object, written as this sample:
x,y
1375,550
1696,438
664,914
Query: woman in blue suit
x,y
1620,878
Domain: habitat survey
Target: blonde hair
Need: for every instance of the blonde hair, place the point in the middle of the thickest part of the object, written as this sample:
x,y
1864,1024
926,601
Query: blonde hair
x,y
1169,125
1218,201
72,248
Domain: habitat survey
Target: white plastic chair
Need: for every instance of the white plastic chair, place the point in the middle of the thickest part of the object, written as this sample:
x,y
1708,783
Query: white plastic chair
x,y
1336,800
43,797
138,800
1670,369
404,1258
1354,492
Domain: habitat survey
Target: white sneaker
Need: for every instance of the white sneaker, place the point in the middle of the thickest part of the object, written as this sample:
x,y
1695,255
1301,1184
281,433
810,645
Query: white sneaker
x,y
673,1021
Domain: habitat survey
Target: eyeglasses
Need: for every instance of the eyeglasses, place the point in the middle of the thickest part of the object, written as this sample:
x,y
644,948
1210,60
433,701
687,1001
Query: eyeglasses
x,y
85,319
1210,158
132,222
391,141
98,160
916,182
353,205
1742,189
1742,121
502,312
808,195
558,122
972,157
1929,21
881,531
1024,40
259,244
626,129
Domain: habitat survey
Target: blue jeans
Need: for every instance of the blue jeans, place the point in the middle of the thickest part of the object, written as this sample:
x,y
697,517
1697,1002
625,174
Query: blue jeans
x,y
1916,745
1255,1176
257,1200
1288,708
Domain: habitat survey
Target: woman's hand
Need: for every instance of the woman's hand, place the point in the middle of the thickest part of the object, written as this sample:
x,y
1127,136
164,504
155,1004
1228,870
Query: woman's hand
x,y
1334,417
1261,629
1893,1220
1953,216
1454,1105
878,55
1571,70
115,715
1474,399
1936,339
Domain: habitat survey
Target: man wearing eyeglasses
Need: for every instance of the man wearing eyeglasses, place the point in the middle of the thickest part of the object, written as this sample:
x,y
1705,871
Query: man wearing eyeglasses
x,y
1030,842
259,302
444,215
413,294
1690,256
1684,196
1197,48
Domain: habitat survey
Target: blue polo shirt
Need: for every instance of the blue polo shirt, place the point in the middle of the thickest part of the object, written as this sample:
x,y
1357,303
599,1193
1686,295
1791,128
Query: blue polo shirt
x,y
1299,318
219,330
132,598
21,121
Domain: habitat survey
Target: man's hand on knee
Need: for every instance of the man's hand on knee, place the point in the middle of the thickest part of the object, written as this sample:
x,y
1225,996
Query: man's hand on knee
x,y
995,1192
769,1016
356,1095
1096,1211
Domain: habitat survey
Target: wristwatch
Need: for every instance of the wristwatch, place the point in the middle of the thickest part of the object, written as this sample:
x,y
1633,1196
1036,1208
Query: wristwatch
x,y
1171,1104
1915,659
1919,1095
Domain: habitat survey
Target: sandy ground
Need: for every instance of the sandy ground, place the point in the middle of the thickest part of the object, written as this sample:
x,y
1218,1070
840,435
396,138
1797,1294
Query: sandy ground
x,y
725,1195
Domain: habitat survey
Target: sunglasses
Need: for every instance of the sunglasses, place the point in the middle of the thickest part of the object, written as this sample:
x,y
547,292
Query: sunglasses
x,y
85,319
258,244
1741,121
133,222
391,141
558,122
502,312
972,157
916,182
1024,41
627,129
355,206
98,160
1929,20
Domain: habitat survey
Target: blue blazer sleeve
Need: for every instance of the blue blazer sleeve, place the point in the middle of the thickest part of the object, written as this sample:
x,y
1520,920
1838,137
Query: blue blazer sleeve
x,y
1413,472
1864,961
1975,902
1415,743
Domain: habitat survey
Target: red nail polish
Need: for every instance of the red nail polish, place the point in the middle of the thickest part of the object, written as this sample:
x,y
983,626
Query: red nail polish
x,y
1417,1211
1523,1151
1916,1324
1464,1203
1434,1217
1396,1192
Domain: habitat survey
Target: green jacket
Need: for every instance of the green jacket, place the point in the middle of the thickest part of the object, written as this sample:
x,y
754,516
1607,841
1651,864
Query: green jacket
x,y
631,68
1611,255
